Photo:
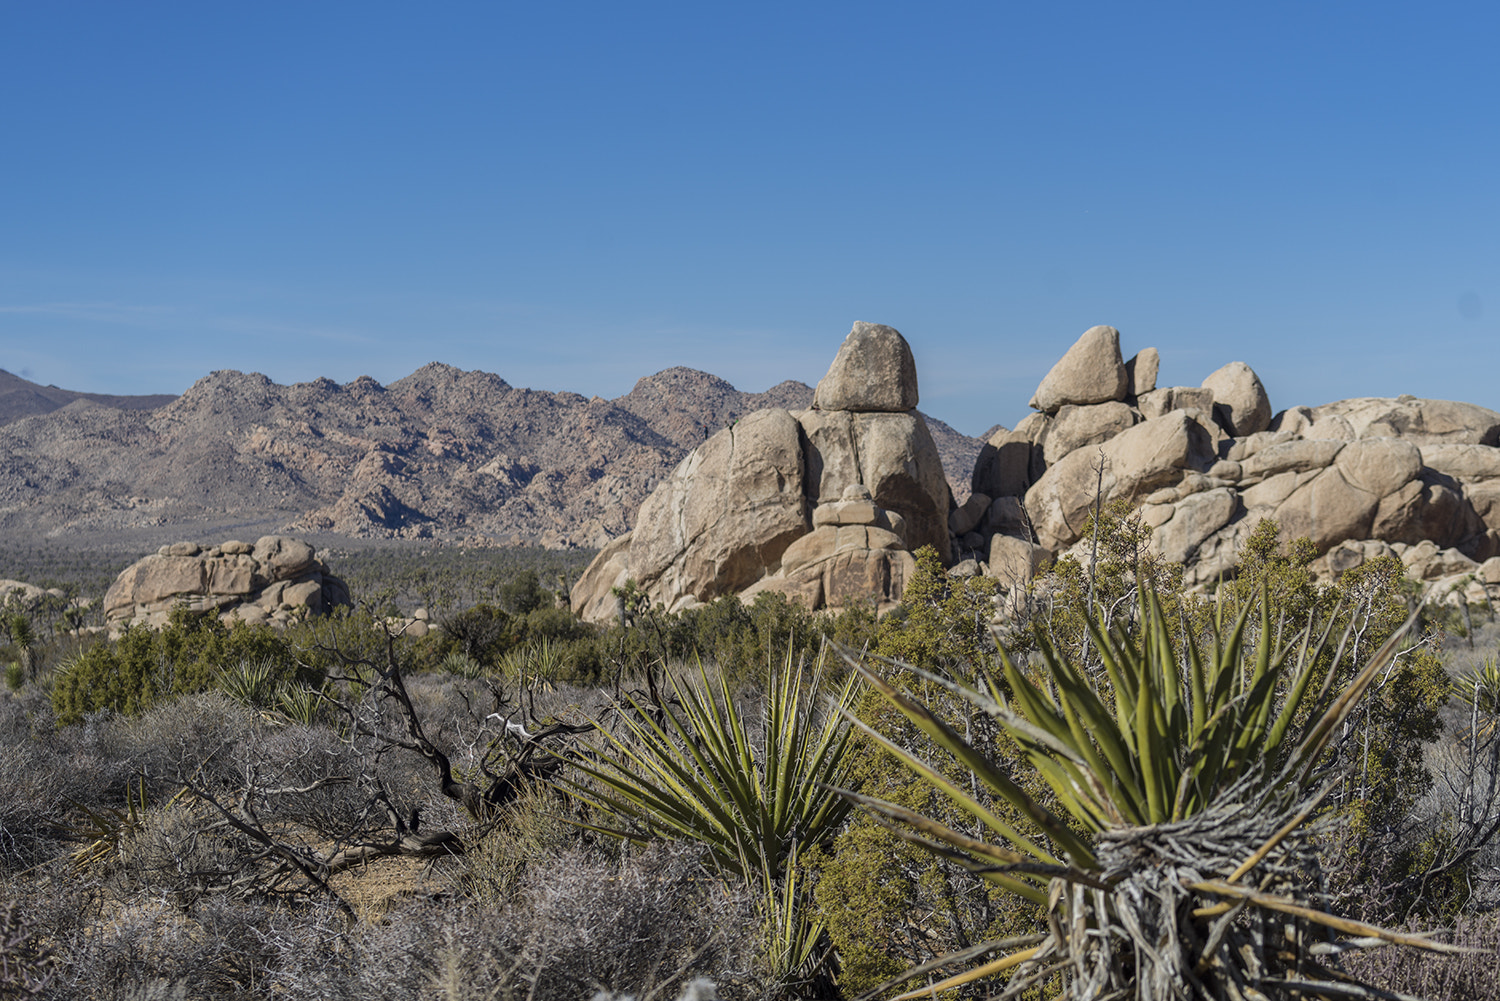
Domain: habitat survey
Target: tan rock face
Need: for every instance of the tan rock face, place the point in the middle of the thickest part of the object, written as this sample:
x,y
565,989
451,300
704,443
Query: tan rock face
x,y
1015,561
1193,520
1430,508
873,371
1296,456
904,472
1075,427
1422,422
1003,468
1328,509
1463,462
1091,371
243,582
813,505
1160,402
592,598
1240,400
1141,371
1379,466
1136,462
726,514
284,557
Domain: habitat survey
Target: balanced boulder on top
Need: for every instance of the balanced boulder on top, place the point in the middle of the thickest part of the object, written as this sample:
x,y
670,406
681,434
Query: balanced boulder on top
x,y
873,372
1091,371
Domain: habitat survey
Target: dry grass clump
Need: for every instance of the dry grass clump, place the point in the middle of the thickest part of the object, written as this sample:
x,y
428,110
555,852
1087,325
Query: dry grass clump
x,y
1473,976
644,924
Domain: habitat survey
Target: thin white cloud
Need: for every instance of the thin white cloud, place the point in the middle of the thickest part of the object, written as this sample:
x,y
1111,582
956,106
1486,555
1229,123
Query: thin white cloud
x,y
179,318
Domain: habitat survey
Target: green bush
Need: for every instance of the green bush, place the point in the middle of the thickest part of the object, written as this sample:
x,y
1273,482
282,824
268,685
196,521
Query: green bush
x,y
146,666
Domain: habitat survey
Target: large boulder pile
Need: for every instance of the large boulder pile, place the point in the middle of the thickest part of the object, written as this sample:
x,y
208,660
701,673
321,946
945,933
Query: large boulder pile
x,y
275,580
824,505
1418,479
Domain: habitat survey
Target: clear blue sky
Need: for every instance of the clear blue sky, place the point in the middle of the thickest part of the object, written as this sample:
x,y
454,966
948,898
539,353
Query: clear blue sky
x,y
574,195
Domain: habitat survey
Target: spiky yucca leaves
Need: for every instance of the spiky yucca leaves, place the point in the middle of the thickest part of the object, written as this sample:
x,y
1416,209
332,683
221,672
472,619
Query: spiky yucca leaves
x,y
1176,865
693,769
1480,690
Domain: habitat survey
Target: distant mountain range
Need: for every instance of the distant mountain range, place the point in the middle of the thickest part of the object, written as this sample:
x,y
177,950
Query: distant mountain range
x,y
19,398
441,454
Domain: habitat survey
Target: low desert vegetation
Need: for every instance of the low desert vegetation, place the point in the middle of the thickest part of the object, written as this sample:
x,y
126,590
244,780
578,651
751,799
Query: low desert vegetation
x,y
1280,789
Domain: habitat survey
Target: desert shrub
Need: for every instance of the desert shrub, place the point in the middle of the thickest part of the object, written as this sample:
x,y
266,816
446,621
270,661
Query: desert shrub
x,y
530,835
1166,763
150,948
944,622
887,904
523,593
644,923
482,633
1473,976
199,734
146,666
27,963
44,772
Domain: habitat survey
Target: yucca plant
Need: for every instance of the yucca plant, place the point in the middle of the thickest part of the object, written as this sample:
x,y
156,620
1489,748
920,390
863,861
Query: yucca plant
x,y
1480,690
1174,861
692,769
250,682
299,703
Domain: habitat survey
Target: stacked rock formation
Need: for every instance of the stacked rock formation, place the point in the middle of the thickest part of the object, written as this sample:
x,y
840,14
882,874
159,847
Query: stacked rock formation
x,y
273,581
1418,479
824,505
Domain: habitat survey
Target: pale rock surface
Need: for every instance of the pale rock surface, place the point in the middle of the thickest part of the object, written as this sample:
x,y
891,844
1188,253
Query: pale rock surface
x,y
873,371
1379,466
1006,516
1015,561
1091,371
1141,370
1362,478
822,505
900,465
1074,427
1004,466
726,514
1328,509
1136,462
1432,508
966,517
269,581
1295,456
592,598
1466,463
1423,422
1240,400
1192,522
1160,402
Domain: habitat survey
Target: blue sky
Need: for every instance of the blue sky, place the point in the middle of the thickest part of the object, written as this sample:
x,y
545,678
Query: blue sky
x,y
574,195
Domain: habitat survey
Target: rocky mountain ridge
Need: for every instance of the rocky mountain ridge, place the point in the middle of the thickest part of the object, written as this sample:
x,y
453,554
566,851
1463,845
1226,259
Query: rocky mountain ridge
x,y
442,453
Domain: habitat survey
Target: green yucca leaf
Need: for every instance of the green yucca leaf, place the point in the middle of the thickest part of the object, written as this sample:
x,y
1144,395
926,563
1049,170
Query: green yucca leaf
x,y
690,770
973,759
961,796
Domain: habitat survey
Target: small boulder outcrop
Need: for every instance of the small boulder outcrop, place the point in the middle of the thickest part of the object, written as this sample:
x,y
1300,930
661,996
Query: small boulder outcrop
x,y
274,580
